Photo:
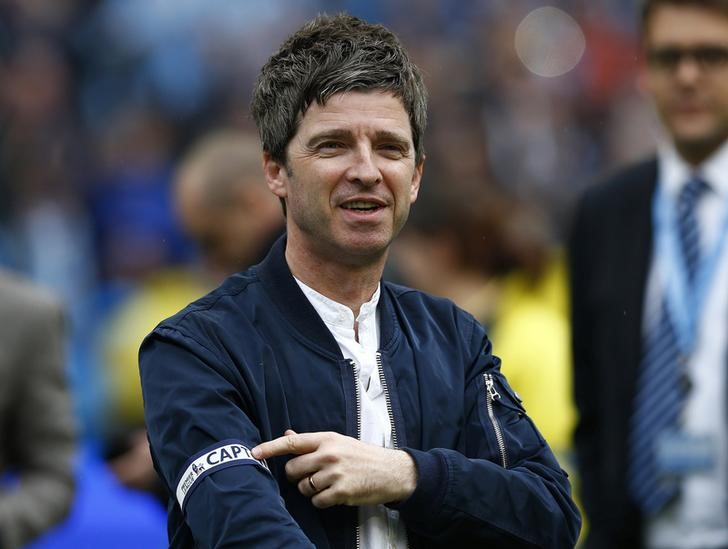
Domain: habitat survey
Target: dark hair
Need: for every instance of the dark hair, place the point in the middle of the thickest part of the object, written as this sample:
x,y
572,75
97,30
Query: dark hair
x,y
649,6
492,231
330,55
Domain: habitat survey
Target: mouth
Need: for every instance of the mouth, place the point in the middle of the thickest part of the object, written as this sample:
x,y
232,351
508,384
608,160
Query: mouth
x,y
362,205
688,107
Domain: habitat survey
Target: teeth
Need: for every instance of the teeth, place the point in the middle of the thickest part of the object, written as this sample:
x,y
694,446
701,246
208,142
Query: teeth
x,y
360,206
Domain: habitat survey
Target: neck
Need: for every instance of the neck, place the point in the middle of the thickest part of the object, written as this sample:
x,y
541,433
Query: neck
x,y
350,285
695,153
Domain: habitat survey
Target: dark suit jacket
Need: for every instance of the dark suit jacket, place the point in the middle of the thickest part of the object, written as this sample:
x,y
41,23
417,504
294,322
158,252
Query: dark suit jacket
x,y
610,253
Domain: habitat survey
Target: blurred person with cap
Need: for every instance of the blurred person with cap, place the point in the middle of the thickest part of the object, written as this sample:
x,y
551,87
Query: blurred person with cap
x,y
306,402
649,263
37,424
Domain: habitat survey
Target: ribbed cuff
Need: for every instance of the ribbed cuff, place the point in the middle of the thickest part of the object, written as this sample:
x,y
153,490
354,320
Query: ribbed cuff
x,y
432,479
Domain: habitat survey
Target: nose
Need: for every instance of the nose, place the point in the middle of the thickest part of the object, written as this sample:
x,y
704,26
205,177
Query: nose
x,y
364,169
687,70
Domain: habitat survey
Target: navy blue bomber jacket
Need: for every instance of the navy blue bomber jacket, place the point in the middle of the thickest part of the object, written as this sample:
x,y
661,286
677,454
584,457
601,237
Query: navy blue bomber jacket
x,y
252,359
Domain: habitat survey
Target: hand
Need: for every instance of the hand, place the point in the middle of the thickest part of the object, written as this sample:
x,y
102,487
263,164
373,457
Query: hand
x,y
134,468
341,469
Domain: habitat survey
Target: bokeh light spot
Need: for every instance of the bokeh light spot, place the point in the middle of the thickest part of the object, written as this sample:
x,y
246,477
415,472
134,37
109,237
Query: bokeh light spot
x,y
549,42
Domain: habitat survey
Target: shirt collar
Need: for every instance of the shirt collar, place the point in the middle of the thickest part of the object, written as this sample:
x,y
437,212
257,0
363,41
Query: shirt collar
x,y
675,172
334,313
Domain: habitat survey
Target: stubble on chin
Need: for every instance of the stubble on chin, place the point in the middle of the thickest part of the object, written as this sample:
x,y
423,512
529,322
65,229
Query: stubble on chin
x,y
697,149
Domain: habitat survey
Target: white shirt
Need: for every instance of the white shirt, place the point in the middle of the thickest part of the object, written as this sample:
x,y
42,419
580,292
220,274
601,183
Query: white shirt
x,y
699,518
380,526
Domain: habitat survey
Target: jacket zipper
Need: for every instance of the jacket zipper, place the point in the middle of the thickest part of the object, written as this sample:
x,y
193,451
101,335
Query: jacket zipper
x,y
357,399
490,398
387,400
390,415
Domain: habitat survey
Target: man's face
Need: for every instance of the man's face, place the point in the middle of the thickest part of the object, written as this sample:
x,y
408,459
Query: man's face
x,y
687,76
349,179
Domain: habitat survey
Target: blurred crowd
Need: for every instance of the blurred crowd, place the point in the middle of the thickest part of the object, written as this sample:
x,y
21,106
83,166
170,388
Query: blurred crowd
x,y
100,100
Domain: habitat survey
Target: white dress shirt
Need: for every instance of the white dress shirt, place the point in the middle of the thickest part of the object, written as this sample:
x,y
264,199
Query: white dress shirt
x,y
698,519
380,527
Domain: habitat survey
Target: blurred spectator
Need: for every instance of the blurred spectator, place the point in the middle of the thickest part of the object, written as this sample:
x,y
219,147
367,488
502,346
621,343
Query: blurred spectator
x,y
224,204
40,163
650,305
37,427
492,255
130,198
122,430
227,209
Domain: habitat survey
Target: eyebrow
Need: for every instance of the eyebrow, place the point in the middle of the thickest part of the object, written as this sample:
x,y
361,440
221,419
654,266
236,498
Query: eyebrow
x,y
386,135
343,134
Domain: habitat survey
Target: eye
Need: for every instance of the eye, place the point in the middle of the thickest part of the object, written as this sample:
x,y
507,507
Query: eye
x,y
394,150
330,146
706,57
712,57
664,58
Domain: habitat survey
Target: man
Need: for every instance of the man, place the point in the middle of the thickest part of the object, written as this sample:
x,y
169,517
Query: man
x,y
650,305
328,408
223,203
37,427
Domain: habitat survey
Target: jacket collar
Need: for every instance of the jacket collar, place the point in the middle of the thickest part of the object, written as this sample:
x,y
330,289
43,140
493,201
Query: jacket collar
x,y
276,278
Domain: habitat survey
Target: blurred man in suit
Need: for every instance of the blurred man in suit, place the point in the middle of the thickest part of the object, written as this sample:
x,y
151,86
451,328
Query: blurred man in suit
x,y
37,427
649,267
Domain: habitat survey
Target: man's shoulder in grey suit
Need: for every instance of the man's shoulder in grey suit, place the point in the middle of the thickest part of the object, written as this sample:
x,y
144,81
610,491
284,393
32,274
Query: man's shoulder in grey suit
x,y
28,312
19,297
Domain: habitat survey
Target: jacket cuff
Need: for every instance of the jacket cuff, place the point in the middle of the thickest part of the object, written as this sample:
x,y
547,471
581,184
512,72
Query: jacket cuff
x,y
432,475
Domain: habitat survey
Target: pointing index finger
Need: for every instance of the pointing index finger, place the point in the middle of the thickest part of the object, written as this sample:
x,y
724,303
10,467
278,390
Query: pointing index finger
x,y
290,443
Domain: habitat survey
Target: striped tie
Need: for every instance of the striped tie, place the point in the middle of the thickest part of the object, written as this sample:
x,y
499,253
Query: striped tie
x,y
661,385
688,229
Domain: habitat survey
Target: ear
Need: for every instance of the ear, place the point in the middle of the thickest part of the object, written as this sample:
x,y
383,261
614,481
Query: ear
x,y
416,179
275,175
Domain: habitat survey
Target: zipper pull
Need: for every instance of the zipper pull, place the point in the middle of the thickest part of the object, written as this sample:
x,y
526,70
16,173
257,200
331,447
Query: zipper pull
x,y
490,387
